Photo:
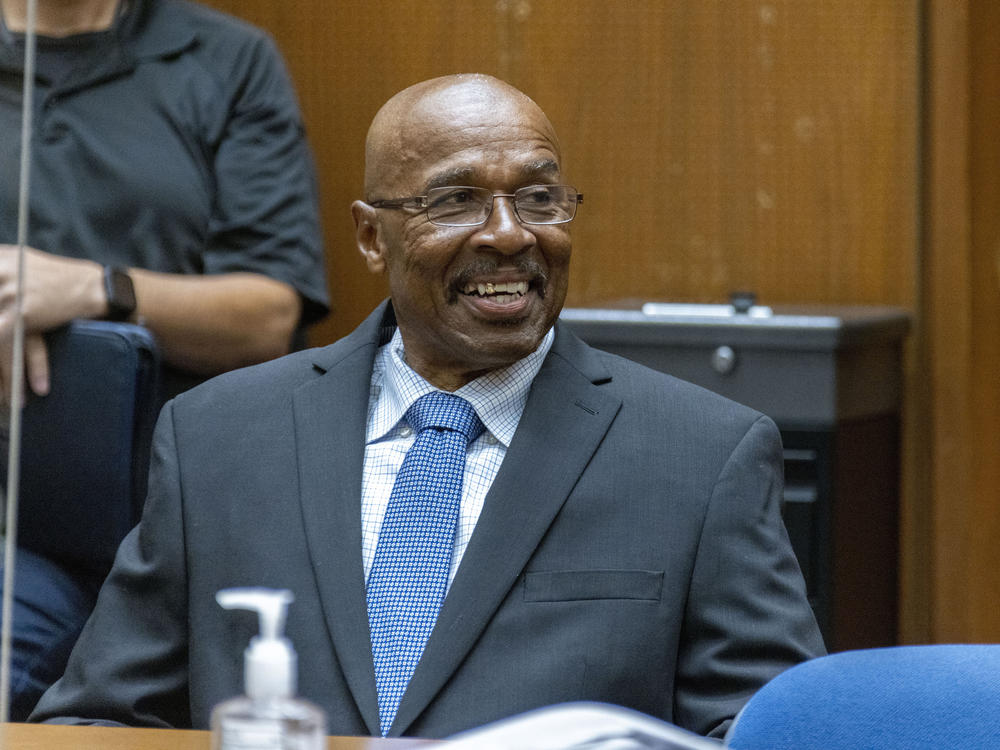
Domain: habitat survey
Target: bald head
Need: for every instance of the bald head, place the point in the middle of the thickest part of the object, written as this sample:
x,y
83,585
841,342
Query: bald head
x,y
468,298
450,109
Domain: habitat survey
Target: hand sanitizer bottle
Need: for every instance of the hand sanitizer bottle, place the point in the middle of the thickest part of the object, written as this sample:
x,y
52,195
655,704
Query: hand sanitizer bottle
x,y
268,717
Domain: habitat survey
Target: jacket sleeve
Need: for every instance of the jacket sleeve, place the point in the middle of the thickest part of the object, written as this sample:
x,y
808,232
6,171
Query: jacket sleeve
x,y
747,616
130,664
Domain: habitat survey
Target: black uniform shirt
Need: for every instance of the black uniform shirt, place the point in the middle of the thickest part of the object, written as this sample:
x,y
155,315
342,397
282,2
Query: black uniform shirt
x,y
179,147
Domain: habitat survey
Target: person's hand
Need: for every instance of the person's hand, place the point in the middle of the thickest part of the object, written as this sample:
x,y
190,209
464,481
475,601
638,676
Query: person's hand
x,y
55,291
36,366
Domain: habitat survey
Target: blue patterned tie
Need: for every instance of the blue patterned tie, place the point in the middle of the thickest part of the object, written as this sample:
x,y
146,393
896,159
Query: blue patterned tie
x,y
410,572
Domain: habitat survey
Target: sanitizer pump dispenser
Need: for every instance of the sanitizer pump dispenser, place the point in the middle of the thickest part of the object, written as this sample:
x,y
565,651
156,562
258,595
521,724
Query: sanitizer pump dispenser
x,y
269,716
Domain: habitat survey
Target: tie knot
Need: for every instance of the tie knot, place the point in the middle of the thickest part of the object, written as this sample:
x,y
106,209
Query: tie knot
x,y
440,409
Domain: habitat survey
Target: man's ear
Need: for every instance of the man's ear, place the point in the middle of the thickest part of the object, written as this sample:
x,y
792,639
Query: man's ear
x,y
368,236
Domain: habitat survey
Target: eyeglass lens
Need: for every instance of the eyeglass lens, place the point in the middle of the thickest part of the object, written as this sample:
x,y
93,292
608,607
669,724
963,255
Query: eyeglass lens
x,y
535,204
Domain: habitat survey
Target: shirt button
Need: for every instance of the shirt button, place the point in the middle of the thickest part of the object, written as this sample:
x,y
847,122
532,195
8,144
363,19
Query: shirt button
x,y
490,439
405,431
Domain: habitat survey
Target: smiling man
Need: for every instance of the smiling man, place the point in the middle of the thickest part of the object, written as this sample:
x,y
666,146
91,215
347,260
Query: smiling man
x,y
477,513
476,279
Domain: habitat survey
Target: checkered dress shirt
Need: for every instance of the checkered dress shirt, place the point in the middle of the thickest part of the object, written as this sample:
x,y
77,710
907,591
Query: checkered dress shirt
x,y
498,398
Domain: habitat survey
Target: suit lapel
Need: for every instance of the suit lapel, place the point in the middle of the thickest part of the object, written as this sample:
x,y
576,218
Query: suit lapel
x,y
330,416
564,421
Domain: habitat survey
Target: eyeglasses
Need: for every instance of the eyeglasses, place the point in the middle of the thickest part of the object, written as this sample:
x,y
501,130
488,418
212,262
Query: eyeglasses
x,y
470,206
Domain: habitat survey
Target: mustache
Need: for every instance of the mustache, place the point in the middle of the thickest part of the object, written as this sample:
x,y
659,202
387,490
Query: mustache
x,y
487,266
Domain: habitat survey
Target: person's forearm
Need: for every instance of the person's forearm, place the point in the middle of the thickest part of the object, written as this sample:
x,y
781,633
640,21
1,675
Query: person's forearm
x,y
210,324
203,324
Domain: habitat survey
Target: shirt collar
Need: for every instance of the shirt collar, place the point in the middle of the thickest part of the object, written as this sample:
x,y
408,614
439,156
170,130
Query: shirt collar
x,y
144,29
498,396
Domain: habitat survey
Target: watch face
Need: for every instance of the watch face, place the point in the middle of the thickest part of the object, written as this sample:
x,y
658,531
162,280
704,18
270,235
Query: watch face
x,y
120,292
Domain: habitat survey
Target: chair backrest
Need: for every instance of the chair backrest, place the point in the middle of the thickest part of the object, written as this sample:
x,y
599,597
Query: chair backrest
x,y
85,446
940,697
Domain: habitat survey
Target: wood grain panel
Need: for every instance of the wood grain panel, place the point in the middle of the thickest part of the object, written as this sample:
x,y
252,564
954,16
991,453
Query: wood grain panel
x,y
947,310
722,145
962,272
55,737
735,145
984,365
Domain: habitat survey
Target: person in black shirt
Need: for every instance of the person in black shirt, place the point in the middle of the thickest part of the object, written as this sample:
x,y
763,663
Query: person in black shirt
x,y
171,185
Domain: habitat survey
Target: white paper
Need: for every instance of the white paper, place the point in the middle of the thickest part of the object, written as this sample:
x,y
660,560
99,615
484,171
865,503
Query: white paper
x,y
580,726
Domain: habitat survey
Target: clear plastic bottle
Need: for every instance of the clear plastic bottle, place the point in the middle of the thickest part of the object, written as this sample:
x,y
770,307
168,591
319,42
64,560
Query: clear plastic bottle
x,y
269,716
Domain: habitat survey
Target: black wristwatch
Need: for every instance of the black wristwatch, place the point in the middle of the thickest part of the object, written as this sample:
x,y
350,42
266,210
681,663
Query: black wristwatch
x,y
120,293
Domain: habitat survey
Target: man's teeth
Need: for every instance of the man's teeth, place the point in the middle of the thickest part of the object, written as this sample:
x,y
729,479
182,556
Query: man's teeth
x,y
513,287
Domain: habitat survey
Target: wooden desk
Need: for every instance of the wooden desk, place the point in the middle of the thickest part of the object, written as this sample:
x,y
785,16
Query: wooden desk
x,y
56,737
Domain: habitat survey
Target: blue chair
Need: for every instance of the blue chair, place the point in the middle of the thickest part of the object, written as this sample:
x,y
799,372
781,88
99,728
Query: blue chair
x,y
84,460
940,697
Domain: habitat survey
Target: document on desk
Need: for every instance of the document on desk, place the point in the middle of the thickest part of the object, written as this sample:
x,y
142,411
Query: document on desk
x,y
580,726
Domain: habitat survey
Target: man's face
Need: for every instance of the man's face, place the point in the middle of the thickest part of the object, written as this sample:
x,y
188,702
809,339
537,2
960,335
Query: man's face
x,y
472,299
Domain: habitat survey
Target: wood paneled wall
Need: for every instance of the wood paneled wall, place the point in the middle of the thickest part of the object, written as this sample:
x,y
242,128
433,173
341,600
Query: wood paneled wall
x,y
721,145
961,314
776,146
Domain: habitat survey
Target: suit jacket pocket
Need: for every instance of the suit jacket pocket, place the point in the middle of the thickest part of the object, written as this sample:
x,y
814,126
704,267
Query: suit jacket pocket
x,y
576,585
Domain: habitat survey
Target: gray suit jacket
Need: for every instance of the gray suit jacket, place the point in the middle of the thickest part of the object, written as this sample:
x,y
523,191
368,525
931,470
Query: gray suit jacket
x,y
630,551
